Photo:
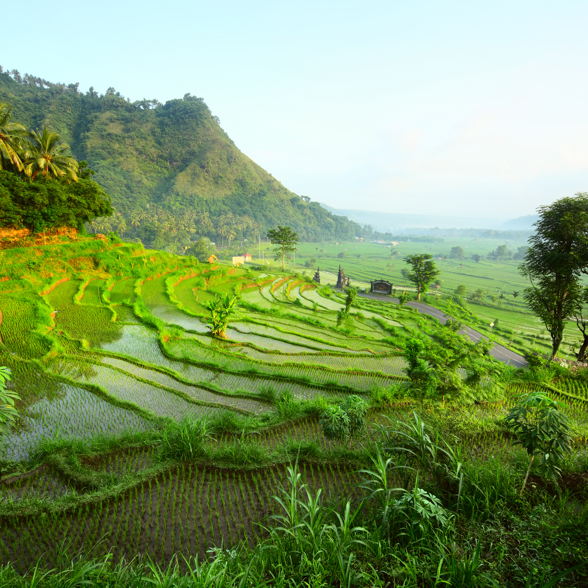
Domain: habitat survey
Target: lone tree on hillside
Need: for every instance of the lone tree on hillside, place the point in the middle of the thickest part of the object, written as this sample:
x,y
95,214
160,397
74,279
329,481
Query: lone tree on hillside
x,y
423,271
556,258
285,240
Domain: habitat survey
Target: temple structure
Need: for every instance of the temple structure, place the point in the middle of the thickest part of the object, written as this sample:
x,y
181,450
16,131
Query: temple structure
x,y
341,278
381,287
317,276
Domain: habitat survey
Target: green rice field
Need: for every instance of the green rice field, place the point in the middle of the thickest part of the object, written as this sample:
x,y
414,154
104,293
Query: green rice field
x,y
108,361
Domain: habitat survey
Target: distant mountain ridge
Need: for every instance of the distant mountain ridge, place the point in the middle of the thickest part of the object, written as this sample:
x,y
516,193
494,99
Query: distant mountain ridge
x,y
174,157
522,222
398,222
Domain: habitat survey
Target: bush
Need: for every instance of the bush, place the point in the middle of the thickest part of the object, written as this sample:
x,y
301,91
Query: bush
x,y
344,422
185,440
384,397
287,406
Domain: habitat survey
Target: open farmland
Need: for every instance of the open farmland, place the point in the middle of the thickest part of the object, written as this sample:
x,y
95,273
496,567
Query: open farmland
x,y
109,347
516,325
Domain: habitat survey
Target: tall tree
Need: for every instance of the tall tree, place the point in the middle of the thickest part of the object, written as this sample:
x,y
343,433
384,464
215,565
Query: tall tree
x,y
582,323
557,256
10,137
47,155
285,240
423,271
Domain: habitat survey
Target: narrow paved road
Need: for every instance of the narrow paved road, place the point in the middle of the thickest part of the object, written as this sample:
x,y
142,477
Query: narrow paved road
x,y
499,352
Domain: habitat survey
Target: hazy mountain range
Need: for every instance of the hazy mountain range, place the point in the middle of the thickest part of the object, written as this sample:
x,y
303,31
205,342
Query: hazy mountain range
x,y
405,223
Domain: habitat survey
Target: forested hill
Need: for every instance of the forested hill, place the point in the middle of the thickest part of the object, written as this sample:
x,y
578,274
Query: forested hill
x,y
169,168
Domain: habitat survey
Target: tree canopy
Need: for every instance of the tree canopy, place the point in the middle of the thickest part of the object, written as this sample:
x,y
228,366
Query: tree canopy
x,y
41,185
423,271
285,240
457,253
556,258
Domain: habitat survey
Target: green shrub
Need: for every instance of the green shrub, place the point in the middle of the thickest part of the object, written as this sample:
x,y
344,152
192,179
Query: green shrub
x,y
386,396
8,413
287,406
542,430
185,439
346,421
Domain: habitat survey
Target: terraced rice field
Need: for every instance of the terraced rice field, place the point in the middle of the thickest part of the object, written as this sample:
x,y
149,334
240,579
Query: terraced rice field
x,y
41,483
185,509
142,376
72,413
124,357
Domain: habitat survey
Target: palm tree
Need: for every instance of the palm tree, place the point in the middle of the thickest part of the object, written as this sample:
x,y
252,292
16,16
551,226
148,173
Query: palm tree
x,y
231,233
223,230
205,222
46,154
10,135
137,217
122,226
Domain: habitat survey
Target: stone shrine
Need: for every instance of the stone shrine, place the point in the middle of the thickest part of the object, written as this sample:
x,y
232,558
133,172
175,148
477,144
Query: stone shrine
x,y
341,278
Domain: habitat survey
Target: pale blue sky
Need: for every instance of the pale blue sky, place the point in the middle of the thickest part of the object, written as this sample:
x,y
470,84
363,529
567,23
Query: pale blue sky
x,y
468,108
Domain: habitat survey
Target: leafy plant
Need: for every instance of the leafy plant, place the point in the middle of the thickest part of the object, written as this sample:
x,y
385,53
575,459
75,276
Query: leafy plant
x,y
185,439
220,309
8,413
285,240
346,421
420,511
349,300
542,430
403,298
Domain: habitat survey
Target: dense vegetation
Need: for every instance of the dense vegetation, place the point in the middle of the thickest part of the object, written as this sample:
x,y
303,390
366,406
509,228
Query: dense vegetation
x,y
141,435
173,173
41,186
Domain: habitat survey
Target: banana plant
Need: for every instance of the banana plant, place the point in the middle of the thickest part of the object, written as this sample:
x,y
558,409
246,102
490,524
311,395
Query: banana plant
x,y
220,309
8,412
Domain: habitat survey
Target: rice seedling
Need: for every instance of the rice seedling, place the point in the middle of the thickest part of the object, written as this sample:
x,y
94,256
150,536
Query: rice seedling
x,y
24,324
71,413
122,291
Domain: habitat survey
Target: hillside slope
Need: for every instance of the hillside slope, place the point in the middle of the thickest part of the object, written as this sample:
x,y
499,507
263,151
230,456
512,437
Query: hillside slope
x,y
171,157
